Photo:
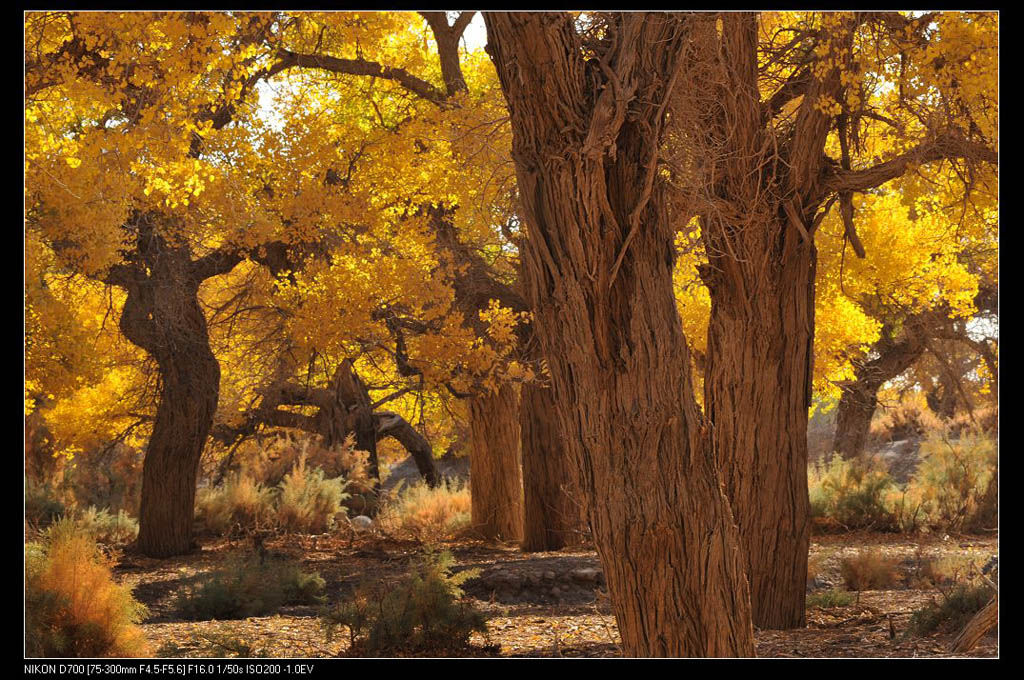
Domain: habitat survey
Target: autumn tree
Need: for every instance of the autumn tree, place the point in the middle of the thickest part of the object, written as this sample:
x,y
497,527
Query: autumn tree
x,y
459,113
786,116
588,119
126,185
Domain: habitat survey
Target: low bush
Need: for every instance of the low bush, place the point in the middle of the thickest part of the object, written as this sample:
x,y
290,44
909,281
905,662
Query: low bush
x,y
104,527
427,514
425,612
952,479
240,503
43,504
849,495
910,417
869,570
830,598
247,587
308,501
952,613
73,607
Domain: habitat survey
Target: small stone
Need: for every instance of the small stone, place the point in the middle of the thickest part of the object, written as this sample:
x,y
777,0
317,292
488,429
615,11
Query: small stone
x,y
585,575
549,575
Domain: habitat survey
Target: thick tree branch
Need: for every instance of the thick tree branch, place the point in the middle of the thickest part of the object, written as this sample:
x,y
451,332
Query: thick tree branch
x,y
220,261
364,67
943,147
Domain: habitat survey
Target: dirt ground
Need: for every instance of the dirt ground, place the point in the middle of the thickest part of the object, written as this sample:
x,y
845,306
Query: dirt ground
x,y
545,604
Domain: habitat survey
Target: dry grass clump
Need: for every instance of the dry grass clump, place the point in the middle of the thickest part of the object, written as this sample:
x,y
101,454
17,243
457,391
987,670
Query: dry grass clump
x,y
73,607
427,514
910,417
869,570
308,501
240,503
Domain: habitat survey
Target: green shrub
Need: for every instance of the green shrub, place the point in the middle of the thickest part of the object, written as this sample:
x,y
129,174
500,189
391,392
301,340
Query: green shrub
x,y
240,503
957,607
247,588
423,612
850,495
43,505
308,502
952,478
106,528
830,598
73,607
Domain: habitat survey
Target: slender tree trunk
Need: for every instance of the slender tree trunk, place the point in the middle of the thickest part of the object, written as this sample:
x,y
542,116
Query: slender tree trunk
x,y
553,512
598,264
757,392
494,473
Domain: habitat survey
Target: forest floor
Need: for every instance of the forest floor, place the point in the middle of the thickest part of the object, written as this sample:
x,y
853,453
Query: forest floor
x,y
545,604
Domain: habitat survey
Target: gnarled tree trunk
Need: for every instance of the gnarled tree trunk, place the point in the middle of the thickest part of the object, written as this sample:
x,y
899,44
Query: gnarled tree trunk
x,y
162,315
494,473
553,512
598,265
859,399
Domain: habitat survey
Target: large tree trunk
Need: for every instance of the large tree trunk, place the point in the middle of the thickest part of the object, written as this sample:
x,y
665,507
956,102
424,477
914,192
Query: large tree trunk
x,y
495,478
553,512
162,315
757,391
598,264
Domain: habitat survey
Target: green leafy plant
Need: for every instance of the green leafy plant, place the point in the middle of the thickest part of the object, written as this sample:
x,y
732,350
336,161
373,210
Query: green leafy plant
x,y
952,613
830,598
247,588
424,612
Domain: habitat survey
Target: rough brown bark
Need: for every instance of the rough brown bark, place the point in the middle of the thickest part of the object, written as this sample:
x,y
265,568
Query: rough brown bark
x,y
494,474
598,264
553,510
163,316
757,392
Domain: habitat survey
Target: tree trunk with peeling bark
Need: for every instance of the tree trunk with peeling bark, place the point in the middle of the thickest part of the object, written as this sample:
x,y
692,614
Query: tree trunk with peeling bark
x,y
494,474
553,511
598,261
757,389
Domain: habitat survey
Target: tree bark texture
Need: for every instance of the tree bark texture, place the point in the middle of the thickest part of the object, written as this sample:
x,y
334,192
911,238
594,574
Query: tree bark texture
x,y
162,315
758,194
598,261
495,478
757,391
981,623
554,514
